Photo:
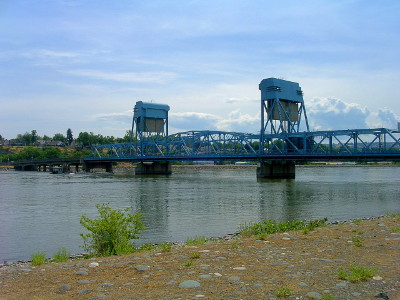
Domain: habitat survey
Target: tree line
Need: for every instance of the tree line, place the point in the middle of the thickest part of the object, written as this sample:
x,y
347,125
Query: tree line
x,y
84,139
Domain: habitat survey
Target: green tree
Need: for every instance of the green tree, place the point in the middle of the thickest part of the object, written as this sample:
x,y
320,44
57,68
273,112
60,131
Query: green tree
x,y
59,137
34,137
112,233
70,138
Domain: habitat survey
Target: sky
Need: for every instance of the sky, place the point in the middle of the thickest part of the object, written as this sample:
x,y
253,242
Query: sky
x,y
83,64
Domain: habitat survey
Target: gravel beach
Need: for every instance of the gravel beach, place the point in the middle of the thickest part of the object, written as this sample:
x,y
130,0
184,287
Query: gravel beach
x,y
290,265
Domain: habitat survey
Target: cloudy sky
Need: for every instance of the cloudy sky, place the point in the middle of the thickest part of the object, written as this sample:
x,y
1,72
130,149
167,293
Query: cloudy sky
x,y
82,64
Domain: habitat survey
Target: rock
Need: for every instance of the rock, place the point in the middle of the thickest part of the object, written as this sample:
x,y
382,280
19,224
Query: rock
x,y
65,287
303,284
141,268
218,274
107,284
100,296
172,282
240,268
82,273
82,282
258,285
234,279
382,296
377,278
128,284
189,284
356,294
205,276
199,296
84,291
26,270
341,284
93,265
314,295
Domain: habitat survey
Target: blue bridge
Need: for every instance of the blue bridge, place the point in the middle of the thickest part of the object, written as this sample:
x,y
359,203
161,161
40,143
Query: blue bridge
x,y
283,140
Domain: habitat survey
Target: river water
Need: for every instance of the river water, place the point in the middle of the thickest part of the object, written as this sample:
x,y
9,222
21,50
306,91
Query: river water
x,y
41,211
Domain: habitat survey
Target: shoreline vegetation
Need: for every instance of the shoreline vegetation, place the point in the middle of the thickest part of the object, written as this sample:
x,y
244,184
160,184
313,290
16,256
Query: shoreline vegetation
x,y
342,260
259,230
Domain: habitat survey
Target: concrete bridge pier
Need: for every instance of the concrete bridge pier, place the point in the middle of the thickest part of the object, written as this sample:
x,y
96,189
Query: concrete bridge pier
x,y
153,168
276,169
103,165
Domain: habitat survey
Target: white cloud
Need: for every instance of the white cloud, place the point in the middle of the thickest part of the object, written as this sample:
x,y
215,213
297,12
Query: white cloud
x,y
331,113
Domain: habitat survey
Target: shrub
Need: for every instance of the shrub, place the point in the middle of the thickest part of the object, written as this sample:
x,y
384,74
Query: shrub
x,y
357,241
112,232
38,258
195,255
61,255
284,292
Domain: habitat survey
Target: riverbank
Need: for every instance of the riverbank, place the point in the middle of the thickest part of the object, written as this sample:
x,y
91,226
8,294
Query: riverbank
x,y
305,265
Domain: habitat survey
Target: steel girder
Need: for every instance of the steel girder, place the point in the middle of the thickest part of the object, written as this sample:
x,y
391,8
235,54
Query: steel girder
x,y
367,144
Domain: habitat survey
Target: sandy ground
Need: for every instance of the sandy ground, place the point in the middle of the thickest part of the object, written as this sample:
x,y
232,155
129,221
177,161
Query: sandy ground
x,y
307,265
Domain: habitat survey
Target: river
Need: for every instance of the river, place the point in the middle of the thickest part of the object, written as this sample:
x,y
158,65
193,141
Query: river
x,y
41,211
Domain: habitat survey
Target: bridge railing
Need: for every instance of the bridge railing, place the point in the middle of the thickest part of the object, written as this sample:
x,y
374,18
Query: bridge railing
x,y
198,145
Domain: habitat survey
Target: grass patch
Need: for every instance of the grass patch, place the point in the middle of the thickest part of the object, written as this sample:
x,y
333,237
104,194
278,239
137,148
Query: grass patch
x,y
357,221
38,258
356,273
146,247
327,297
62,255
267,227
195,255
396,230
165,247
197,240
189,263
357,241
283,292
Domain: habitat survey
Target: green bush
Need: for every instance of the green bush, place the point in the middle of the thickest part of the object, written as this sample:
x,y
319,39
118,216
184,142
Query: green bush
x,y
61,255
357,273
112,233
270,226
38,258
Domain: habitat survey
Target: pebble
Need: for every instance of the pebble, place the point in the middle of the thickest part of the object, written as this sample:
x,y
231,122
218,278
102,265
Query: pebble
x,y
234,279
314,295
341,284
26,270
100,296
356,294
189,284
82,273
93,265
205,276
84,291
377,278
107,284
303,284
65,287
172,282
240,268
82,282
218,274
141,268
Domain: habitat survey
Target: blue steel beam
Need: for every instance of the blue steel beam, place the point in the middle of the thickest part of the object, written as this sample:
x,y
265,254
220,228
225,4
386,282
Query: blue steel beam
x,y
357,144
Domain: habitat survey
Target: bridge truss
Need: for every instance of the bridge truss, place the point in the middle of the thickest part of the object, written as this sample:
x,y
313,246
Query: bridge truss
x,y
358,144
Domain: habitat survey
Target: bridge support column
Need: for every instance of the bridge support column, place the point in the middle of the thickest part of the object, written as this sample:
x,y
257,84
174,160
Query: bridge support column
x,y
154,168
103,165
276,170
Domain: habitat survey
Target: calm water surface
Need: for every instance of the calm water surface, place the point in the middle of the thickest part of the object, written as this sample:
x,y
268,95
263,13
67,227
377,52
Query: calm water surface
x,y
41,211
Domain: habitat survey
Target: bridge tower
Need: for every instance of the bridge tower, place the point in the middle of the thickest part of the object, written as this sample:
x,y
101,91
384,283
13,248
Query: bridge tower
x,y
282,110
150,121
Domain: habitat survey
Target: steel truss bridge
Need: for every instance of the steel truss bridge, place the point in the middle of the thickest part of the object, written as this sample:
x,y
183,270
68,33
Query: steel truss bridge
x,y
378,144
279,144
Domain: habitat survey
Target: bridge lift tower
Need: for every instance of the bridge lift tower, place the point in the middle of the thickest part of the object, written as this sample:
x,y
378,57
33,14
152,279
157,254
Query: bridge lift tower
x,y
150,121
282,110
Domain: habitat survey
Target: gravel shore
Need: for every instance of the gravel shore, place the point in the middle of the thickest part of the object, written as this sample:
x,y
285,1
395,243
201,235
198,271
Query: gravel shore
x,y
306,266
